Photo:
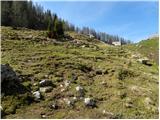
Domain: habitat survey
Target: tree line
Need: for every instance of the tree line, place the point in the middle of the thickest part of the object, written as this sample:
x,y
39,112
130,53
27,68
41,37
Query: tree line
x,y
29,15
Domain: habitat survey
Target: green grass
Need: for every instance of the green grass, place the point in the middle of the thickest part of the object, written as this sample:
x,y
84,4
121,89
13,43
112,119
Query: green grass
x,y
40,58
148,48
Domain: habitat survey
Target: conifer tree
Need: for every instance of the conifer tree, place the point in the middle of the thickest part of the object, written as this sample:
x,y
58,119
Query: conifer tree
x,y
49,33
60,29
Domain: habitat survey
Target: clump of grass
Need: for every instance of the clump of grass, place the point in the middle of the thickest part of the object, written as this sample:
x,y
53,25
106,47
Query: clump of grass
x,y
124,73
11,103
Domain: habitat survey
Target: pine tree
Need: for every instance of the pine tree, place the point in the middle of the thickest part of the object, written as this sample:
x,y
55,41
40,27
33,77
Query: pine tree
x,y
56,29
60,29
6,13
49,33
55,20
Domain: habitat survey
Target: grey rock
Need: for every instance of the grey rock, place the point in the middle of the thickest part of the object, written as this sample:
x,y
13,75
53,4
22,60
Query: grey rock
x,y
45,89
44,83
89,102
135,88
128,105
7,74
143,60
35,84
37,95
75,99
10,83
69,103
79,88
54,106
107,113
80,91
46,76
135,56
43,116
67,83
148,101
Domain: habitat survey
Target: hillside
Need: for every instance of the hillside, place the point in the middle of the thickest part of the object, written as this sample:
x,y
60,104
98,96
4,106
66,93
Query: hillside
x,y
148,48
79,68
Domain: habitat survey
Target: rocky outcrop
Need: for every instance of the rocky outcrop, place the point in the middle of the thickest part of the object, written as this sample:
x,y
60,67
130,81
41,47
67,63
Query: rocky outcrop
x,y
7,74
145,61
10,83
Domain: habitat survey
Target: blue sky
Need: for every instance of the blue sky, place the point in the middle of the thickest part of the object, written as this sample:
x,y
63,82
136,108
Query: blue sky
x,y
132,20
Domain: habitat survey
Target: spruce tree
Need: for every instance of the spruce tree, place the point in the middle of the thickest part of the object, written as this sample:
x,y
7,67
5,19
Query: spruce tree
x,y
49,33
60,29
55,21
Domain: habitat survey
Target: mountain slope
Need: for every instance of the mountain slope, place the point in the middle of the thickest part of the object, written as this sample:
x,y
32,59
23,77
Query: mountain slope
x,y
148,48
120,86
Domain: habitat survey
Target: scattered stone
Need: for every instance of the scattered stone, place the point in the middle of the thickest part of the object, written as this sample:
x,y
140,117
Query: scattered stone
x,y
144,61
104,83
69,102
81,98
29,60
104,112
35,84
46,89
63,89
79,88
148,101
37,95
67,83
80,91
135,56
61,85
89,102
74,99
44,83
129,105
135,89
128,99
54,106
43,115
83,46
107,113
46,76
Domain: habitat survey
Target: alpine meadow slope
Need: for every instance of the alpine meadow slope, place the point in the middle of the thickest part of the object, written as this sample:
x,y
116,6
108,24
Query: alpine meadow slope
x,y
148,48
78,77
